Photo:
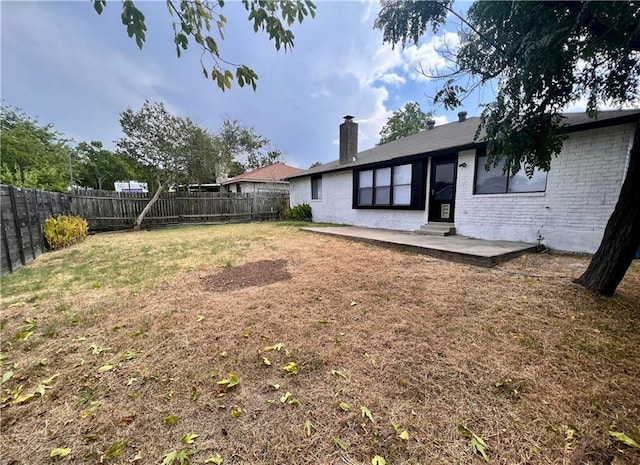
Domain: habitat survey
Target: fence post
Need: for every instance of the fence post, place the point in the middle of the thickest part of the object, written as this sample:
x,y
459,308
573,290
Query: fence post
x,y
26,209
5,243
12,196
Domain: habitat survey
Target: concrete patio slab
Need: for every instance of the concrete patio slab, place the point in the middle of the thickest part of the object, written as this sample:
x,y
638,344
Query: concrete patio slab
x,y
454,248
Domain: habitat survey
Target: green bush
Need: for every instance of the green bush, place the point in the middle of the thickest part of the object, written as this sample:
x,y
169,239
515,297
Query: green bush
x,y
300,212
64,231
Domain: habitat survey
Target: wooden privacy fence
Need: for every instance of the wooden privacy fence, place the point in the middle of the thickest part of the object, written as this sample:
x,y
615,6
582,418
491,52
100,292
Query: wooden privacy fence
x,y
23,213
107,210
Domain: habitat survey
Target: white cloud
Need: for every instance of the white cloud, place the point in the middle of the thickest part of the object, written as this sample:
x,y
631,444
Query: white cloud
x,y
430,58
393,79
440,120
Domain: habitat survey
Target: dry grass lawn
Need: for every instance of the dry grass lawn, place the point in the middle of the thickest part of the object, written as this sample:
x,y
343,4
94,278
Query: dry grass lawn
x,y
140,328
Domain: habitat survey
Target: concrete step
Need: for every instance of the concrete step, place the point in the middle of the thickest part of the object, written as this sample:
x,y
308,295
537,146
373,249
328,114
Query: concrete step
x,y
437,229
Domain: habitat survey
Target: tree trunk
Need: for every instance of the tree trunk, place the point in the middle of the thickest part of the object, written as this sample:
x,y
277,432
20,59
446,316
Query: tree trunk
x,y
621,236
147,207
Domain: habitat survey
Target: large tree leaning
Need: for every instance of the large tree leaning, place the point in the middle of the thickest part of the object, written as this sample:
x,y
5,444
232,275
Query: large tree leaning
x,y
158,140
543,56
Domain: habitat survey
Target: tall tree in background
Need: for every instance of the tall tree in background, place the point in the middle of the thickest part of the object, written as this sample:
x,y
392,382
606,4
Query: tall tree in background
x,y
243,148
33,155
173,148
194,20
100,168
544,56
404,122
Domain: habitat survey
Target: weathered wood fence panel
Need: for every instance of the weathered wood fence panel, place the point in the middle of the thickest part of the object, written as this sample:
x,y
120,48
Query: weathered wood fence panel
x,y
22,216
107,210
24,211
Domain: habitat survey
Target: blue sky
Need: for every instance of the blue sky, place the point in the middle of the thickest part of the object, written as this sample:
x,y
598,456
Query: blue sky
x,y
64,64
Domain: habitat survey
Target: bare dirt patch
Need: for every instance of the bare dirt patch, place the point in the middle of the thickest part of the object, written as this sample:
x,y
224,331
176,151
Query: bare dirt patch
x,y
260,273
537,366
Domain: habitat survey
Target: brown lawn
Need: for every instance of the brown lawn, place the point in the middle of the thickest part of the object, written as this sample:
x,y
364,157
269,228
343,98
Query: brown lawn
x,y
141,327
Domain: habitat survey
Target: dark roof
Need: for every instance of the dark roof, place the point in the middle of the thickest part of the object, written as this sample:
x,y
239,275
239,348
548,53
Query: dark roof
x,y
271,173
456,136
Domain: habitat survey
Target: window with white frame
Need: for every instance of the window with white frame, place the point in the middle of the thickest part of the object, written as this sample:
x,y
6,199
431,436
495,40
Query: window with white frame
x,y
316,187
494,181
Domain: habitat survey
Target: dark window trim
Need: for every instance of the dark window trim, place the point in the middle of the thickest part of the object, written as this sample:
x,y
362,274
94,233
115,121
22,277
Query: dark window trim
x,y
483,153
315,177
418,185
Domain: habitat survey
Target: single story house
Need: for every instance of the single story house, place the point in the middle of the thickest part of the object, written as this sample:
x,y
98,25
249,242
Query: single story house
x,y
271,178
438,177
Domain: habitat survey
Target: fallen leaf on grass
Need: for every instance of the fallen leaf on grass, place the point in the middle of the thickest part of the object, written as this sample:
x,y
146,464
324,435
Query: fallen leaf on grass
x,y
402,434
477,443
114,450
308,427
366,413
277,346
189,438
338,373
230,381
377,460
339,443
172,420
217,459
181,457
60,452
39,389
291,368
6,377
623,438
200,318
266,361
95,405
104,368
236,411
344,406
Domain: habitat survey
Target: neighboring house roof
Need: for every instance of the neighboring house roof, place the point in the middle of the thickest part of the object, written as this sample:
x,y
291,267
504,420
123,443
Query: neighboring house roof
x,y
456,136
271,173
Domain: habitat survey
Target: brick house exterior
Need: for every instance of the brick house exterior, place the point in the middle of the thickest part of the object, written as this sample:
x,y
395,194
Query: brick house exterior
x,y
439,176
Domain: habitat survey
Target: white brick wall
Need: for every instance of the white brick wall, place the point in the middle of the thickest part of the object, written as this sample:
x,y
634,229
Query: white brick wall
x,y
335,205
582,189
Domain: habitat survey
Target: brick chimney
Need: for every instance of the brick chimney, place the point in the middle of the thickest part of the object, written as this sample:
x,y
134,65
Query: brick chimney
x,y
348,140
431,124
462,116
